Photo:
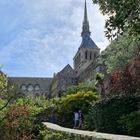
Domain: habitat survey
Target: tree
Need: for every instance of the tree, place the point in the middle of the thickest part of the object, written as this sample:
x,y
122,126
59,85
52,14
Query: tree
x,y
123,15
119,52
7,92
18,115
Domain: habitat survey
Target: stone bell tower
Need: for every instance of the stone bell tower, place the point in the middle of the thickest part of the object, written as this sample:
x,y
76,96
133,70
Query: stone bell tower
x,y
88,50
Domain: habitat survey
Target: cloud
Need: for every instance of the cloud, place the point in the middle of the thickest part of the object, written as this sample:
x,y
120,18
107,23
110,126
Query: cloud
x,y
46,35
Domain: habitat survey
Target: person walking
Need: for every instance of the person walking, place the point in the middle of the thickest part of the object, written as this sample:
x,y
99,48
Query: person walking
x,y
81,118
76,119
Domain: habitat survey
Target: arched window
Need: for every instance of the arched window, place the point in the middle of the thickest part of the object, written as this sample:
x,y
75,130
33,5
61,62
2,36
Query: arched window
x,y
37,87
30,87
23,87
86,55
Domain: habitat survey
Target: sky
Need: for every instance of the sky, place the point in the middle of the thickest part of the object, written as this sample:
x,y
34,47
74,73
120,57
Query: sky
x,y
40,37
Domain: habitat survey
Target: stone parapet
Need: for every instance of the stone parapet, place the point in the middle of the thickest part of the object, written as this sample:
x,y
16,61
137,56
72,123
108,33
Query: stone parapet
x,y
86,135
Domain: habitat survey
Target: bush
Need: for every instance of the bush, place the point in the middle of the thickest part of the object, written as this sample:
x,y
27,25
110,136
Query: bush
x,y
89,121
62,109
107,112
19,119
79,88
51,135
69,104
126,81
131,123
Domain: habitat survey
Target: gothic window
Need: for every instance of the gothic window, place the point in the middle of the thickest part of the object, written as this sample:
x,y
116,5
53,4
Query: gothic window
x,y
86,55
90,55
94,55
37,87
23,87
30,87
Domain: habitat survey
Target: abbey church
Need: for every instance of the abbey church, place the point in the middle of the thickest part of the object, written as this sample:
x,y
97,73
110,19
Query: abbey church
x,y
83,70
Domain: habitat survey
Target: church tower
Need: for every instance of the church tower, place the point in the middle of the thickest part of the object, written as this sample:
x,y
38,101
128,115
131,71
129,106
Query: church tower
x,y
88,50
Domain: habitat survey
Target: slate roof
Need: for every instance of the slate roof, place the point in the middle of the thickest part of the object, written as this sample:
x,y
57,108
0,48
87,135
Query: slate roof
x,y
67,69
87,42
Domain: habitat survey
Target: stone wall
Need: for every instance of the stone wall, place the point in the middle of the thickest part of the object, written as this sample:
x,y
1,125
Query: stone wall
x,y
74,134
87,74
31,86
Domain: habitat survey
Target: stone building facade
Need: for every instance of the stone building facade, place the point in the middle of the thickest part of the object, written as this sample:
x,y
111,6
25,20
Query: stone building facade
x,y
84,69
31,86
62,80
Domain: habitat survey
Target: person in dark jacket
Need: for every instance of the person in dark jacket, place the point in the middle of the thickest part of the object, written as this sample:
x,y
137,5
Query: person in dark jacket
x,y
81,118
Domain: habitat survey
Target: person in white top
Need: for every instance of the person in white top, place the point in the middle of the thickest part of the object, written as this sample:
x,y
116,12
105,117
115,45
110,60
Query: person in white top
x,y
76,119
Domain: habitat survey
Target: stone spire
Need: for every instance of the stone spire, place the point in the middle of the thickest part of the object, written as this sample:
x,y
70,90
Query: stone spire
x,y
85,22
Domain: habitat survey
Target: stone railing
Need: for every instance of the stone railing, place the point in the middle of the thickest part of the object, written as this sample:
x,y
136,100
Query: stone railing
x,y
75,134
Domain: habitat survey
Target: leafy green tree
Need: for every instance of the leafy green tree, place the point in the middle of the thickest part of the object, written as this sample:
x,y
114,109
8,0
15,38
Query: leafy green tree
x,y
7,95
119,53
123,15
18,115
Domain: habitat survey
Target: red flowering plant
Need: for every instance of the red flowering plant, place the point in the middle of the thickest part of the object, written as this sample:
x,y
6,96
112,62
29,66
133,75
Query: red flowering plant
x,y
20,120
126,81
18,124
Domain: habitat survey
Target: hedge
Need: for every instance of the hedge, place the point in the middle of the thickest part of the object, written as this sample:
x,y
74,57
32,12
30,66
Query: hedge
x,y
108,112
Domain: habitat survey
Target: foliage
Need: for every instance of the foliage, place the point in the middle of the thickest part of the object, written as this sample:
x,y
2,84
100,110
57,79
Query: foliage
x,y
50,135
107,112
89,121
122,15
119,53
55,135
20,119
99,76
126,81
131,123
79,88
74,102
61,110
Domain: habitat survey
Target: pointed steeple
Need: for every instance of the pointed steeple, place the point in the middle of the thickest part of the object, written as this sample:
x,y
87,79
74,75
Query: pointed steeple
x,y
85,13
85,22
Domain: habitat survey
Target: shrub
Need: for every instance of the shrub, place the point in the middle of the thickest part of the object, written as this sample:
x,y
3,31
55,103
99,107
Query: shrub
x,y
51,135
131,123
79,88
62,109
69,104
107,112
19,119
89,121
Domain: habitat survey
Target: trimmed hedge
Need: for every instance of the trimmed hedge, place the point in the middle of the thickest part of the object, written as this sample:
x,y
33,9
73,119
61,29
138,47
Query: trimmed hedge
x,y
107,113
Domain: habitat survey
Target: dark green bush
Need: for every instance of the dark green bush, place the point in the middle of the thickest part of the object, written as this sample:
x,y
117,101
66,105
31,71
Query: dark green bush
x,y
107,112
131,123
89,121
